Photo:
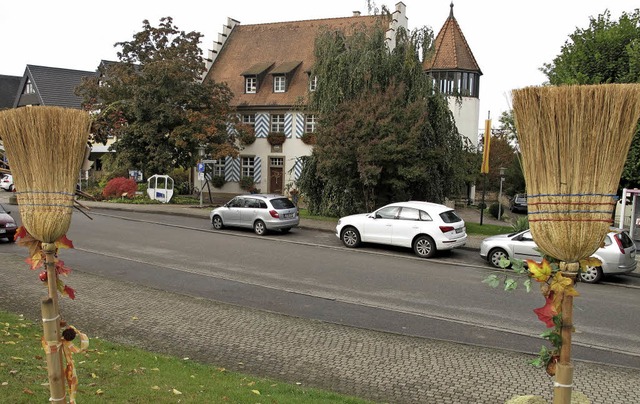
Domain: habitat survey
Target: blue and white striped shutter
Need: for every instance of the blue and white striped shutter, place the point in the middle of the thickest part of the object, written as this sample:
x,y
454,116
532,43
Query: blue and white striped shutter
x,y
257,169
262,125
299,125
297,169
288,120
231,169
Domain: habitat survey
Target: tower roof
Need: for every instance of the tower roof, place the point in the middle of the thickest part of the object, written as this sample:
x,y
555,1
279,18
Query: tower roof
x,y
451,50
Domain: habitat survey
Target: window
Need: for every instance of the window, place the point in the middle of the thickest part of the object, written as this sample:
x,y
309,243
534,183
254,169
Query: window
x,y
249,119
279,84
387,213
424,216
456,83
310,123
313,83
277,123
250,84
247,166
28,88
277,161
409,214
218,168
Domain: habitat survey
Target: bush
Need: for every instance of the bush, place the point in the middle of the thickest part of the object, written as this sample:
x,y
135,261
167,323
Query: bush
x,y
247,183
522,223
119,187
493,210
218,181
276,138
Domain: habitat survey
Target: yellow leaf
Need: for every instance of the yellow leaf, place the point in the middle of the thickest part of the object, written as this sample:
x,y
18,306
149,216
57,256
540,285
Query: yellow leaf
x,y
540,272
94,376
17,358
590,262
134,318
155,369
251,383
176,391
99,392
5,383
255,392
155,388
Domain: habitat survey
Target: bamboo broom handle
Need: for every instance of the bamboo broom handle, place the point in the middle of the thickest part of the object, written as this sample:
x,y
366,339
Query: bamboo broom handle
x,y
49,250
564,370
53,350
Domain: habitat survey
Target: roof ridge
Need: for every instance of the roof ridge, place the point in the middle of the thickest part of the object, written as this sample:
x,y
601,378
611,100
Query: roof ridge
x,y
314,20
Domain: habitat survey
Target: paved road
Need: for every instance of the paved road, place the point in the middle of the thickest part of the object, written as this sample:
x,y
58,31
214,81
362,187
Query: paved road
x,y
380,366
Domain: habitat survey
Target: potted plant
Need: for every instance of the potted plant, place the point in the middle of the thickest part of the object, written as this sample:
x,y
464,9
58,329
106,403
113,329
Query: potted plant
x,y
276,138
309,138
218,181
247,183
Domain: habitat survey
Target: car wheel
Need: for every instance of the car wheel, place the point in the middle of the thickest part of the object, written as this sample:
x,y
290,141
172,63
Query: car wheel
x,y
285,230
12,188
495,255
217,223
350,237
259,228
424,247
591,274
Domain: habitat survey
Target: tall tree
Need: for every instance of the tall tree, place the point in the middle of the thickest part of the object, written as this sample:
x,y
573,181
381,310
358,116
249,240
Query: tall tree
x,y
154,102
384,134
605,52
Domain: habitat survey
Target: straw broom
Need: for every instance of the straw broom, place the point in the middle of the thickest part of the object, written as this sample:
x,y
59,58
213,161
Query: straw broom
x,y
45,147
574,142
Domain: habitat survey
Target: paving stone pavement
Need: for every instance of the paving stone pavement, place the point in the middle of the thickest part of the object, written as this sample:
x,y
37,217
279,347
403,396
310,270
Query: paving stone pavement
x,y
378,366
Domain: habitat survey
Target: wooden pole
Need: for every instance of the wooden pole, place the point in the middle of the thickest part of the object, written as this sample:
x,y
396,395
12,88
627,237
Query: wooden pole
x,y
53,350
51,326
564,370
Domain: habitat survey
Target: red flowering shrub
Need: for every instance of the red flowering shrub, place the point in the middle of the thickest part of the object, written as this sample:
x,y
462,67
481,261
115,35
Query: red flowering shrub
x,y
120,186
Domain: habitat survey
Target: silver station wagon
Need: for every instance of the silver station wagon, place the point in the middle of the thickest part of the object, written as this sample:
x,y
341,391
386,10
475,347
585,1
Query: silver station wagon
x,y
257,211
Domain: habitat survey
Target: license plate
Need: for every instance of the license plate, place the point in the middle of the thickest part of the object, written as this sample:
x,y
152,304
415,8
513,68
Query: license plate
x,y
288,215
2,231
460,230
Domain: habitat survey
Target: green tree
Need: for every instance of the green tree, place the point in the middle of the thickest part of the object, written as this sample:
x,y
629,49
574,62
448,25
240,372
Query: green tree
x,y
155,104
605,52
384,134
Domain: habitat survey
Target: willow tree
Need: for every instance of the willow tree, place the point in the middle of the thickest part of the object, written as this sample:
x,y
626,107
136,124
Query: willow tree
x,y
384,134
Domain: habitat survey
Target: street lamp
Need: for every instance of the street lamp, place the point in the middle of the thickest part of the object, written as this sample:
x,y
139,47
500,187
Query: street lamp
x,y
502,172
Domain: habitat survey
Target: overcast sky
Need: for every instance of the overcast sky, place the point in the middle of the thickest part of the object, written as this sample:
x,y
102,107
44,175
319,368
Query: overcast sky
x,y
510,39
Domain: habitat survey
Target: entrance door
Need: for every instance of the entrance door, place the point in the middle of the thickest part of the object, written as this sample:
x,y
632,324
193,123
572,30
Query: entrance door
x,y
275,180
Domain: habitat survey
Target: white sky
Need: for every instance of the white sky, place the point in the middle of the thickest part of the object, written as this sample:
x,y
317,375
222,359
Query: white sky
x,y
510,39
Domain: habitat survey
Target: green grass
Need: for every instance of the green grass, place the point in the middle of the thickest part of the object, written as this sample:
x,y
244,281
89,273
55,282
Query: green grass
x,y
112,373
487,229
304,213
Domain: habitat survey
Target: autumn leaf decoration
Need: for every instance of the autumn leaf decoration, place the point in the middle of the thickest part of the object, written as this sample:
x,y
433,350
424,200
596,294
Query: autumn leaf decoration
x,y
36,258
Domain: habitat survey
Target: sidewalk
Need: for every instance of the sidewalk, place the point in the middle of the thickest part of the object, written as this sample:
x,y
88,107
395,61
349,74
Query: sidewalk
x,y
379,366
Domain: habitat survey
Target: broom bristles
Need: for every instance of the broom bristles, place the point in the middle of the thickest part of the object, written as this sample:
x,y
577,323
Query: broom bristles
x,y
574,142
45,147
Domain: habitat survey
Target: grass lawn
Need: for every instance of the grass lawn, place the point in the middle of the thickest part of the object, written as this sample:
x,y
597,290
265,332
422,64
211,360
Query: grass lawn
x,y
112,373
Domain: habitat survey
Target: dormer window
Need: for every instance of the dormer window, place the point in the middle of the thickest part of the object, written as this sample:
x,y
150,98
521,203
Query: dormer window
x,y
28,88
250,84
279,84
313,83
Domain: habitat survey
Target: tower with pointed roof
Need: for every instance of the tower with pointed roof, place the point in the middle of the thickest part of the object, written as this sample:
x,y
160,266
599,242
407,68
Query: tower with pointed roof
x,y
456,74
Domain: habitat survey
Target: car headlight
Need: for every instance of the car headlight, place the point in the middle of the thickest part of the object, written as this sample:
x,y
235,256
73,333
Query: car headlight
x,y
10,225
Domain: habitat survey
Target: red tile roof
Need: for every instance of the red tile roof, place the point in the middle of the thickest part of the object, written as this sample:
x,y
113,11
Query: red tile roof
x,y
452,51
280,46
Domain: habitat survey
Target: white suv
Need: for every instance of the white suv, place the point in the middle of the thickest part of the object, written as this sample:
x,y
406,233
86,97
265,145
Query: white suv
x,y
6,183
260,212
424,226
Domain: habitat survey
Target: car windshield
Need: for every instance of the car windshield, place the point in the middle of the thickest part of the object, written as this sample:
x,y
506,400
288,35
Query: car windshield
x,y
282,203
450,216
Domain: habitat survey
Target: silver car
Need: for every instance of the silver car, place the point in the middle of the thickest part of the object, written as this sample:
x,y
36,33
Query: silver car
x,y
618,256
257,211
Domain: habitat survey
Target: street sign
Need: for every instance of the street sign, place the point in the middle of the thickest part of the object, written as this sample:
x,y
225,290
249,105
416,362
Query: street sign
x,y
200,176
200,167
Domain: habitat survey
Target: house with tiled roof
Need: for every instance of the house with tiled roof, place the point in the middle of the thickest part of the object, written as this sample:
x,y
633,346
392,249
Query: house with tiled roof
x,y
268,68
50,86
8,89
456,74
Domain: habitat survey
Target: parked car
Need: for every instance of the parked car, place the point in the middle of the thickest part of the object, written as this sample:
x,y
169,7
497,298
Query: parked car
x,y
426,227
518,203
8,226
257,211
618,256
6,183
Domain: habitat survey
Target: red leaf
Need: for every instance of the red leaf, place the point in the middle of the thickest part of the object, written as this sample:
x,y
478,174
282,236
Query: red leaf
x,y
64,242
21,232
70,292
546,312
61,269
